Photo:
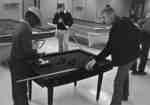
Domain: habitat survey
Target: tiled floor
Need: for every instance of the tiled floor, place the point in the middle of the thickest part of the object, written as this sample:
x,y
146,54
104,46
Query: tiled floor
x,y
85,92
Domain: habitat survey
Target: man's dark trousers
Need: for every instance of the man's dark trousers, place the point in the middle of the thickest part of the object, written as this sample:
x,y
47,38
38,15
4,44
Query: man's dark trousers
x,y
19,90
144,54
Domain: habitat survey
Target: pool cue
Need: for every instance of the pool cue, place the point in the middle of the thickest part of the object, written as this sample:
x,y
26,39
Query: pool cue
x,y
45,75
54,26
51,24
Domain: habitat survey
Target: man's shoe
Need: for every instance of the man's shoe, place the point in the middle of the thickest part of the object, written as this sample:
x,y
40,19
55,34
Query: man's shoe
x,y
142,73
134,72
124,98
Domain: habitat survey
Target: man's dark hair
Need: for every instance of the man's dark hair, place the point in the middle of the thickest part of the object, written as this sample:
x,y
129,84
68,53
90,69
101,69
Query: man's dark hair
x,y
108,10
32,19
60,5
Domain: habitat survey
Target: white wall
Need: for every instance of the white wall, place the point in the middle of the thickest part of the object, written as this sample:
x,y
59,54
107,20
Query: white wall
x,y
100,4
48,8
91,12
13,13
92,9
121,6
147,6
79,13
27,4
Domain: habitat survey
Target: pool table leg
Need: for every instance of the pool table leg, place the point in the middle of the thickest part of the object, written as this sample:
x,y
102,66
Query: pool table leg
x,y
99,84
50,95
30,89
75,83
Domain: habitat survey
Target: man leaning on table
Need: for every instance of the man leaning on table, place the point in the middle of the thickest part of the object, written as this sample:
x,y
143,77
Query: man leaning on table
x,y
124,50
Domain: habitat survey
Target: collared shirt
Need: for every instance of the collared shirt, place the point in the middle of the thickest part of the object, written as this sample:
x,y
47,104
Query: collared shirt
x,y
66,17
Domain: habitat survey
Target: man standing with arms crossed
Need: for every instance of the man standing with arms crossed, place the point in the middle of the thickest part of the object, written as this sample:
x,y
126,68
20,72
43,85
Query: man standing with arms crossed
x,y
63,19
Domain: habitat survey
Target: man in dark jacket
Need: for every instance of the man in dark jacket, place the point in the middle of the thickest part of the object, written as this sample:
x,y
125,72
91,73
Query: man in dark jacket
x,y
123,46
63,19
19,67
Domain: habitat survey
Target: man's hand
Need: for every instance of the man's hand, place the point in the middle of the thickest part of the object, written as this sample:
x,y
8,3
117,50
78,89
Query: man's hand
x,y
60,20
67,27
90,64
42,61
